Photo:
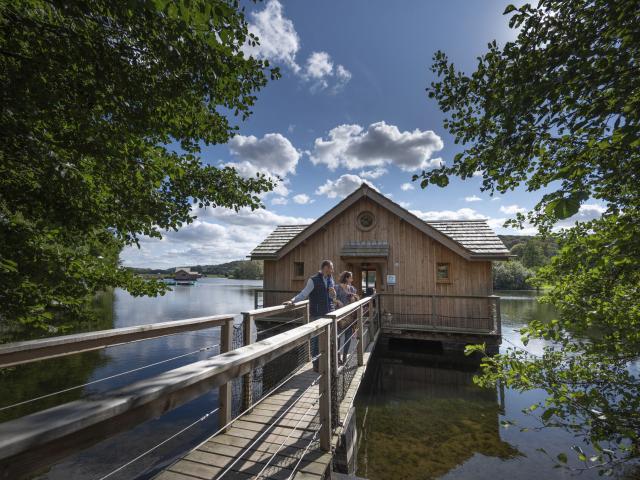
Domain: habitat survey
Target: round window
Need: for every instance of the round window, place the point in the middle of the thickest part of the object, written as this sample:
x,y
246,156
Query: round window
x,y
366,221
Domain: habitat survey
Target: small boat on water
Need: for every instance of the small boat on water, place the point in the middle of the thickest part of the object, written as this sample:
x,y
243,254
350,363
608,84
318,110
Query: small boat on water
x,y
184,276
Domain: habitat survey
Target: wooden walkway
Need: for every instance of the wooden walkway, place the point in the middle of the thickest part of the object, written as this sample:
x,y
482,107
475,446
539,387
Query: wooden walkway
x,y
277,433
268,442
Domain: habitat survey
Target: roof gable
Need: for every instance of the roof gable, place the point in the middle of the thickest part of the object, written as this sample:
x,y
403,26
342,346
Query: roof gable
x,y
472,239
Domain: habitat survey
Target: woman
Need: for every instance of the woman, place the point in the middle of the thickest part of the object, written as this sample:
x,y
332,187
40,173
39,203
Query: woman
x,y
346,294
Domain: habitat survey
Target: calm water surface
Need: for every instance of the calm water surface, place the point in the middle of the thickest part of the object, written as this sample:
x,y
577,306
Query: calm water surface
x,y
420,416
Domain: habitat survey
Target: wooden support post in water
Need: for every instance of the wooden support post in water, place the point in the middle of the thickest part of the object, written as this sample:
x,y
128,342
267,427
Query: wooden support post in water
x,y
433,310
224,391
497,320
247,378
325,369
360,336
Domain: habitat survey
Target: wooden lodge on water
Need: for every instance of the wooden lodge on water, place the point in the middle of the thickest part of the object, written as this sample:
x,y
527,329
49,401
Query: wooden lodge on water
x,y
433,278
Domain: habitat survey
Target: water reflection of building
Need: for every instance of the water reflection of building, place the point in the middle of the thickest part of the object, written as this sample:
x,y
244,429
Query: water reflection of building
x,y
420,417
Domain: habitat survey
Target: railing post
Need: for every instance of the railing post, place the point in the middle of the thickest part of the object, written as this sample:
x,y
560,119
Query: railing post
x,y
333,353
325,388
306,318
255,299
224,391
247,378
360,336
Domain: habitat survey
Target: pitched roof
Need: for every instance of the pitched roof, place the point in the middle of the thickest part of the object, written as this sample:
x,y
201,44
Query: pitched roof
x,y
472,239
474,235
276,240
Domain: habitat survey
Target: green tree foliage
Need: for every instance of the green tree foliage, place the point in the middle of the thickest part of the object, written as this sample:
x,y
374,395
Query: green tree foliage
x,y
511,275
252,270
105,105
559,108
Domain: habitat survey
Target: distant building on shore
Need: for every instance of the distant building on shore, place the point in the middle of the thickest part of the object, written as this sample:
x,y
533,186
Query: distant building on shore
x,y
184,275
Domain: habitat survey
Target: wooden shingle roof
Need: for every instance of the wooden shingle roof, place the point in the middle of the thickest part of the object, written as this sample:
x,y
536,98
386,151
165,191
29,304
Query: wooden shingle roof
x,y
474,235
472,239
277,239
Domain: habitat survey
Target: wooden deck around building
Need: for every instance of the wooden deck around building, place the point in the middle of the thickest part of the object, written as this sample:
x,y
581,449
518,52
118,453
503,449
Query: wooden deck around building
x,y
277,439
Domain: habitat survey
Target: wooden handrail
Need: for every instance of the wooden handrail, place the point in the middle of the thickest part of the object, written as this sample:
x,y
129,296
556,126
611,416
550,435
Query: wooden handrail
x,y
34,350
349,309
54,432
268,311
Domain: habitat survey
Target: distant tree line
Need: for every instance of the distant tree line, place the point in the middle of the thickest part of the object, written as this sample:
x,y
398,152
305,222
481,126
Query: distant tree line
x,y
532,252
240,269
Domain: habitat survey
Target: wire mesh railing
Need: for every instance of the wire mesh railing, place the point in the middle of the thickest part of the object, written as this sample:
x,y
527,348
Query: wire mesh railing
x,y
355,326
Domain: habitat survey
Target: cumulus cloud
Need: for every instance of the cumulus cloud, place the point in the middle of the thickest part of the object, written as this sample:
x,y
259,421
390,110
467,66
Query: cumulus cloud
x,y
272,154
218,235
405,187
320,72
373,174
472,198
279,201
342,186
512,209
351,147
404,204
279,43
302,199
461,214
588,211
319,65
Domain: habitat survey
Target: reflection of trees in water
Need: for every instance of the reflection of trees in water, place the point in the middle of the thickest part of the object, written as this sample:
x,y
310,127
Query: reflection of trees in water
x,y
32,380
421,421
522,311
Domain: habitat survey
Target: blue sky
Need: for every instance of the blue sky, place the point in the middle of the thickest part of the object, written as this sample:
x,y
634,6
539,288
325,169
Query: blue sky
x,y
350,107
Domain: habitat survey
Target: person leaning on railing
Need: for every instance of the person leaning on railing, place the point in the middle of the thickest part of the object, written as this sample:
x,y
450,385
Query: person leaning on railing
x,y
321,292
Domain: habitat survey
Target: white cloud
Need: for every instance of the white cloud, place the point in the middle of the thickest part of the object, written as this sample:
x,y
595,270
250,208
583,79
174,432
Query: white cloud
x,y
319,65
404,204
279,201
342,186
216,236
301,199
461,214
472,198
320,72
512,209
351,147
588,211
279,41
405,187
373,174
272,154
343,76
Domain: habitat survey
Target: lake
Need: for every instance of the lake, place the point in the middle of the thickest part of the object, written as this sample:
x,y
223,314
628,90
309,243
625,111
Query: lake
x,y
419,414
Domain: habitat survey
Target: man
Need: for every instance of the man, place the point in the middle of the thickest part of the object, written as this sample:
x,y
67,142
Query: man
x,y
321,292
